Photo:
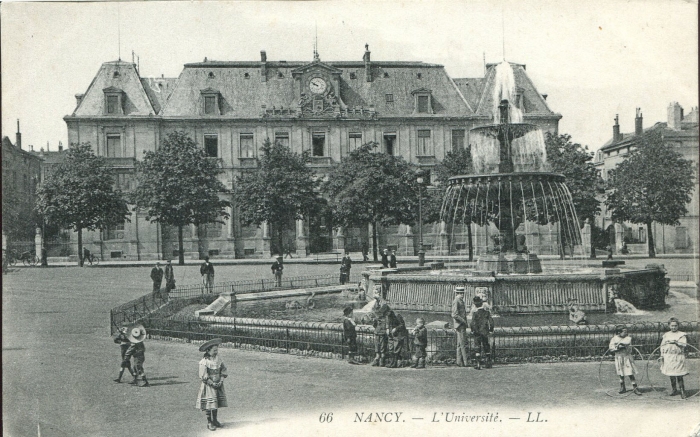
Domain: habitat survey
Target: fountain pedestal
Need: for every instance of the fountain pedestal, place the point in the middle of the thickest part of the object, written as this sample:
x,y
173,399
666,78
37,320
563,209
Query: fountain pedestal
x,y
510,262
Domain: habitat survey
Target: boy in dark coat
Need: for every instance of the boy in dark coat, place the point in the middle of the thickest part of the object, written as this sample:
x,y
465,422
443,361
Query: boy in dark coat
x,y
277,268
392,259
385,258
420,341
481,326
349,334
157,277
122,339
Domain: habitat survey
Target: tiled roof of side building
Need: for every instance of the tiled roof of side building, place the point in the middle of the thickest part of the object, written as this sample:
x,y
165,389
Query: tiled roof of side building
x,y
688,130
243,96
117,75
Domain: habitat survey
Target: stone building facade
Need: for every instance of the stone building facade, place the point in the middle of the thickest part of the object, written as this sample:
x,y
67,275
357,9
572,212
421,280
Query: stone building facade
x,y
412,109
680,131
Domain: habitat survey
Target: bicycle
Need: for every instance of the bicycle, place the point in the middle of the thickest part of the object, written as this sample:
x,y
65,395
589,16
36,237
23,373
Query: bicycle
x,y
28,259
92,259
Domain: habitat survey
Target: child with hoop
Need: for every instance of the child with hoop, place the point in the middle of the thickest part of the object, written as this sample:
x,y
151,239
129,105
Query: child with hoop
x,y
673,345
621,345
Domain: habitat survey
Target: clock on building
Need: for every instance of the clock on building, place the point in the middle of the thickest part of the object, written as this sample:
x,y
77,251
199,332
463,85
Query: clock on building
x,y
317,85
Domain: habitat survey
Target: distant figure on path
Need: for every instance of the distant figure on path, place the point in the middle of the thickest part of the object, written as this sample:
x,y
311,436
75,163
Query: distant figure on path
x,y
169,277
86,255
207,272
392,259
122,339
385,258
212,372
288,252
610,251
459,317
157,277
345,265
277,268
365,253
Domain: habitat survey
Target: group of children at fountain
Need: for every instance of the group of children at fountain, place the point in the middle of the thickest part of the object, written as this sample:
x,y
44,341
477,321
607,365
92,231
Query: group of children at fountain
x,y
392,341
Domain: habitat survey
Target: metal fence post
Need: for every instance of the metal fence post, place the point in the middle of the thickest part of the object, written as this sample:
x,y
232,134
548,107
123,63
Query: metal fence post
x,y
287,340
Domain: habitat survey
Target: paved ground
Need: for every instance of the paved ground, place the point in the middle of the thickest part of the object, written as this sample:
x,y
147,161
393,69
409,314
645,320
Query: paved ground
x,y
58,362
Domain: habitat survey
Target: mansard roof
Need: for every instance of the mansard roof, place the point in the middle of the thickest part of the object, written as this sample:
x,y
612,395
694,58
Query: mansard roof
x,y
116,76
158,90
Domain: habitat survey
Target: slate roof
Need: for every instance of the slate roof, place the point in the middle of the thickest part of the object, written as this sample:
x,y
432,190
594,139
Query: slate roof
x,y
689,129
471,89
158,90
127,80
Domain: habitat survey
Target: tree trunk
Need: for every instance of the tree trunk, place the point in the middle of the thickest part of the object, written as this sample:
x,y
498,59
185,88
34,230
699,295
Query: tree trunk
x,y
374,241
652,249
469,237
180,249
80,247
280,234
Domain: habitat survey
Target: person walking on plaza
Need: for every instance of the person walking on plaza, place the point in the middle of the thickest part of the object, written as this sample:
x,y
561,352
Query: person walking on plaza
x,y
212,372
207,272
122,339
365,253
459,317
157,277
621,346
481,327
381,331
137,351
420,342
392,259
345,265
169,277
277,268
350,334
673,344
385,258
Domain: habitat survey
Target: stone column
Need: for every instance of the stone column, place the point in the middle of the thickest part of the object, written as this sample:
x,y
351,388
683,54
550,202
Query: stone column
x,y
444,248
339,239
37,242
370,243
302,240
586,237
265,237
619,237
406,246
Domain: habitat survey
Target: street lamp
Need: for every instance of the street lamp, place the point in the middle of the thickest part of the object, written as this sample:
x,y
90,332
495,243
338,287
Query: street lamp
x,y
421,252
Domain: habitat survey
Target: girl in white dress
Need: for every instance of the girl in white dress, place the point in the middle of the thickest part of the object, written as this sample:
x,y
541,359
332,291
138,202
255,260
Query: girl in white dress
x,y
212,372
673,345
621,345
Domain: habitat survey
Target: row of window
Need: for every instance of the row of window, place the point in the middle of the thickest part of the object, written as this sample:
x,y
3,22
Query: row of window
x,y
208,230
113,147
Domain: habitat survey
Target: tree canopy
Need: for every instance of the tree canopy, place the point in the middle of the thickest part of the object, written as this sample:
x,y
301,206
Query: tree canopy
x,y
282,189
79,194
178,185
372,188
654,184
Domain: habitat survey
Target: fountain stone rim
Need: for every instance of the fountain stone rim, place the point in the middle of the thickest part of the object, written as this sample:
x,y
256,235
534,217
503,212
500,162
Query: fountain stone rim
x,y
537,175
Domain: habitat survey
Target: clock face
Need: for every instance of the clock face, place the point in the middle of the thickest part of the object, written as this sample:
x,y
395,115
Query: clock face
x,y
317,85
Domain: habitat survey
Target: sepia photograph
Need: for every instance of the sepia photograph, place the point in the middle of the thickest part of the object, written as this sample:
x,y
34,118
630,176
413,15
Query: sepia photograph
x,y
344,218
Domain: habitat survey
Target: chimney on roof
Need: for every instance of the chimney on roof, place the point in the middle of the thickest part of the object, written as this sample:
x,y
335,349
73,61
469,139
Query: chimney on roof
x,y
368,64
18,137
638,128
616,129
79,99
263,65
675,116
47,146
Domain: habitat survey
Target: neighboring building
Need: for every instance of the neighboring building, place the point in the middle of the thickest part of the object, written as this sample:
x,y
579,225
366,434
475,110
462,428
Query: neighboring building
x,y
21,173
412,109
680,132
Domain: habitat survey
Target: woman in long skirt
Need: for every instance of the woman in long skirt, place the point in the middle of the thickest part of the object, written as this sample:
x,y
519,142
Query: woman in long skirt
x,y
212,372
621,345
673,345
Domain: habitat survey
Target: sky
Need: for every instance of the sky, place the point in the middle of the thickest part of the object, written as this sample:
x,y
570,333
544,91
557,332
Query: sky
x,y
593,59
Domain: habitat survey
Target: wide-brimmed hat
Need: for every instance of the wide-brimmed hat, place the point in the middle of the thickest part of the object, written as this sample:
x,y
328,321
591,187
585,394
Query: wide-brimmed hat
x,y
210,343
137,333
459,290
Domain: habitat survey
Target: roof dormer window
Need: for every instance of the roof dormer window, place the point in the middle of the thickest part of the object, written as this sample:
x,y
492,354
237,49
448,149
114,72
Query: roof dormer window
x,y
423,101
211,75
210,102
116,75
353,76
114,101
246,75
419,75
386,74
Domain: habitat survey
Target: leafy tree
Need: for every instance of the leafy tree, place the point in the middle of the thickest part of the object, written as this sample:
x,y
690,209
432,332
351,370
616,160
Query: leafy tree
x,y
374,188
178,185
78,193
19,219
282,188
456,162
575,162
654,184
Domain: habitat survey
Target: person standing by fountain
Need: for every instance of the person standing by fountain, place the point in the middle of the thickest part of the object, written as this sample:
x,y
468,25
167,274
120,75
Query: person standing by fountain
x,y
621,345
459,317
207,272
212,372
673,345
392,259
399,336
481,327
381,331
169,277
385,258
350,334
420,341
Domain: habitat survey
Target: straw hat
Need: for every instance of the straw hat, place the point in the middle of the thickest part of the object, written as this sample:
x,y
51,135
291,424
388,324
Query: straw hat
x,y
210,343
459,290
137,333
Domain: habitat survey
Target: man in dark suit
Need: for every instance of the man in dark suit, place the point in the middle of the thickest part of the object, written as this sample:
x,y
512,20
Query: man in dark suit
x,y
277,268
